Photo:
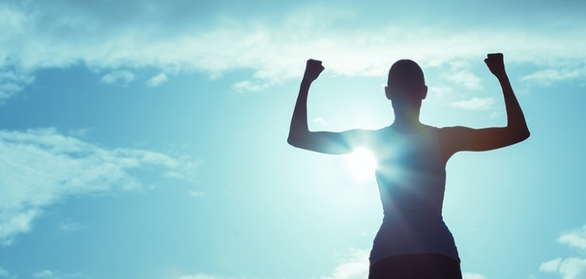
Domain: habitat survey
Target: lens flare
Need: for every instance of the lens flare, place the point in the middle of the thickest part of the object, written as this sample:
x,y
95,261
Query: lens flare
x,y
362,163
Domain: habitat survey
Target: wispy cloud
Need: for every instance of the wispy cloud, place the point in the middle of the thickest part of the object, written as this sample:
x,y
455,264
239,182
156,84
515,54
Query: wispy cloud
x,y
71,227
40,35
12,83
551,266
575,238
440,91
551,76
41,167
196,194
248,85
157,80
4,273
569,268
320,120
118,77
475,103
354,264
461,75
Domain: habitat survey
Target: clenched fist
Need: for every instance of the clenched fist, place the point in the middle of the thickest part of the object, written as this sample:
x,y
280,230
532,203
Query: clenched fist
x,y
312,70
496,64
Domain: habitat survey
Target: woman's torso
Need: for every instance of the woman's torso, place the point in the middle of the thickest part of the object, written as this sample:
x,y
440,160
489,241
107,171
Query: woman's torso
x,y
411,179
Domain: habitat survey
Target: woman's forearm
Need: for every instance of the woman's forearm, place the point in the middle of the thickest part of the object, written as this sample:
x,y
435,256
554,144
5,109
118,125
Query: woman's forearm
x,y
515,118
299,127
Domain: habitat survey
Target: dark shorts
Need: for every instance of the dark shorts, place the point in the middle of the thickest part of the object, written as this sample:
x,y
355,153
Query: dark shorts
x,y
416,266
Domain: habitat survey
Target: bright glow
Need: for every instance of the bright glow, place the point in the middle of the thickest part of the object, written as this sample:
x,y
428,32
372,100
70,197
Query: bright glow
x,y
362,163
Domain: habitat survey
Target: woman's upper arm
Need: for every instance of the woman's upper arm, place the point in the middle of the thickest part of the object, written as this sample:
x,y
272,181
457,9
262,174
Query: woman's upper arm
x,y
454,139
329,142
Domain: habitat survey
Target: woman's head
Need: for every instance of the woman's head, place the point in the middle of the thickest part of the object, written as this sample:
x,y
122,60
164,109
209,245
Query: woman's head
x,y
406,82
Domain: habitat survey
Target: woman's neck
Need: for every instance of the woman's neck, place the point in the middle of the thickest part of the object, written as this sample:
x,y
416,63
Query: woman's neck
x,y
408,122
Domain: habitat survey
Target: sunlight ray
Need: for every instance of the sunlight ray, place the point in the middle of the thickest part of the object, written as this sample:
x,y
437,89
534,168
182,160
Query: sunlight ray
x,y
362,163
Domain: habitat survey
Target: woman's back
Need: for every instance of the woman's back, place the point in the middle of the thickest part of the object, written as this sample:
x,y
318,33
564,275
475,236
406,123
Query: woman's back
x,y
411,179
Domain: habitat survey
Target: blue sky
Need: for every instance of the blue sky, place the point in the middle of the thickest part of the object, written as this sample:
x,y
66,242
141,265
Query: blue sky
x,y
146,139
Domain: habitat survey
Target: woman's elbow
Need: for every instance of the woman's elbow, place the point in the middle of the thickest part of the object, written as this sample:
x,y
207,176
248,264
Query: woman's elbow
x,y
522,134
290,141
298,137
527,134
294,141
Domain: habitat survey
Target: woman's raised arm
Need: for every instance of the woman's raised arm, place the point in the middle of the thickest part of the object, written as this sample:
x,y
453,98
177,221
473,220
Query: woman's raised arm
x,y
454,139
299,134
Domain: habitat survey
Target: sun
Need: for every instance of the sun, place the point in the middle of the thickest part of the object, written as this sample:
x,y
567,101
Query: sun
x,y
361,163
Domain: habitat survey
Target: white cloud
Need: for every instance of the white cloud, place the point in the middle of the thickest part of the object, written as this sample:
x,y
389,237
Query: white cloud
x,y
41,167
320,120
550,76
569,268
573,268
460,75
41,35
196,194
551,266
157,80
12,83
475,103
118,77
71,227
496,114
470,275
440,91
247,85
3,273
575,238
354,265
14,221
44,274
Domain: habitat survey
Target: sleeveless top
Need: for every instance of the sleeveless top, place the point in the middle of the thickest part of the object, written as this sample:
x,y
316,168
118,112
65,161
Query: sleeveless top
x,y
411,179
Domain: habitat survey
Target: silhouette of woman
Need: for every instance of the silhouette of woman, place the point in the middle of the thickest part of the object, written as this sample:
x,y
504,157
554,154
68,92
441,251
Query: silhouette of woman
x,y
413,240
